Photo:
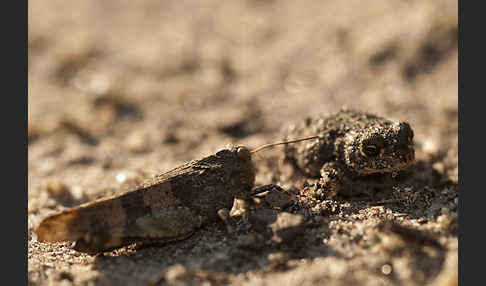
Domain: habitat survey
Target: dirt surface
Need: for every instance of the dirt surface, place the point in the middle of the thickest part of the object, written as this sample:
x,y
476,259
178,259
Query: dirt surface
x,y
119,92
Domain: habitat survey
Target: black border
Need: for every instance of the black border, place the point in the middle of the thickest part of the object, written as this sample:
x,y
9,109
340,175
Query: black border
x,y
15,126
471,202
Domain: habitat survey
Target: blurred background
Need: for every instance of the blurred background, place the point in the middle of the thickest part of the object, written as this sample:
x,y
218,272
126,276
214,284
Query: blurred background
x,y
201,74
120,90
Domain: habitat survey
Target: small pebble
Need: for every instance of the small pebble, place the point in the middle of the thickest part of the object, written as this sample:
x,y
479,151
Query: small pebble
x,y
386,269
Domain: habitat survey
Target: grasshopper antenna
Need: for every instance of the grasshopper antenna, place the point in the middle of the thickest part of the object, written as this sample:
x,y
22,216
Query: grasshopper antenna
x,y
283,143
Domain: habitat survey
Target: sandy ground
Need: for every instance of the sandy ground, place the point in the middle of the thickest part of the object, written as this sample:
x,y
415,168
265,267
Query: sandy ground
x,y
119,92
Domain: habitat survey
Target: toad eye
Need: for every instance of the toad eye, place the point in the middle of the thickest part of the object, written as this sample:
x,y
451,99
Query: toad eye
x,y
370,150
371,147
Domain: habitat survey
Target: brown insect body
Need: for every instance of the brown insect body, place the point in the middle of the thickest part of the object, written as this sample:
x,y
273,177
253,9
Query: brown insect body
x,y
169,207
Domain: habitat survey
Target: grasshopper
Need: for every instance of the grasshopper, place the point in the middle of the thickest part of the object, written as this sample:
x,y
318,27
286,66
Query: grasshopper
x,y
169,207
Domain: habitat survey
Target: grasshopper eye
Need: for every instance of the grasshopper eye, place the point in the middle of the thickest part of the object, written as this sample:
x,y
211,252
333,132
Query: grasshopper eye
x,y
243,153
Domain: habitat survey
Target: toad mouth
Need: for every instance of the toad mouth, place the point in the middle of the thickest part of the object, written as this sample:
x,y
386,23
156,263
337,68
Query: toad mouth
x,y
399,167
